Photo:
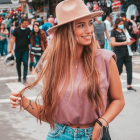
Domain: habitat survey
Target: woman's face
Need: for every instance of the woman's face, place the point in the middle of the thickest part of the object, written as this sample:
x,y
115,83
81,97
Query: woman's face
x,y
84,30
36,28
2,26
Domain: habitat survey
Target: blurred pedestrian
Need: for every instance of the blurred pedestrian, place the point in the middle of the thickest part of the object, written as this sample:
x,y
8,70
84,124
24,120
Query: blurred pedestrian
x,y
134,33
100,31
51,20
38,41
21,39
119,44
79,81
9,23
46,26
3,40
108,28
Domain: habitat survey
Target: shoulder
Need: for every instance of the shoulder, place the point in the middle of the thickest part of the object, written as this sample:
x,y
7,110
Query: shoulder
x,y
42,32
106,55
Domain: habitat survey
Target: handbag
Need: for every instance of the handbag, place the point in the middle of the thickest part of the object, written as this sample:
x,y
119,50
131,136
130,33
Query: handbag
x,y
36,50
128,39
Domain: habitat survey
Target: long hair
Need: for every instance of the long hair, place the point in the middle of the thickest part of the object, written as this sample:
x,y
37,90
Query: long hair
x,y
3,25
33,33
57,63
118,20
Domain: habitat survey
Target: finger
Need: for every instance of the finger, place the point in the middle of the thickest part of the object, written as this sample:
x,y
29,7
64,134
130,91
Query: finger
x,y
13,106
15,93
14,103
14,98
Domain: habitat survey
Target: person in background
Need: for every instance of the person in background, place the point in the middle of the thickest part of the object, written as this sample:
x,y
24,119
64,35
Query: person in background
x,y
4,22
119,43
38,44
9,23
99,30
108,28
15,25
21,40
46,26
3,40
21,17
51,20
31,23
134,34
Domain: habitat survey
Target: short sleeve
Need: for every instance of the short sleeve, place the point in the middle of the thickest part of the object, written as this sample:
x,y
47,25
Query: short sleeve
x,y
104,26
113,33
15,33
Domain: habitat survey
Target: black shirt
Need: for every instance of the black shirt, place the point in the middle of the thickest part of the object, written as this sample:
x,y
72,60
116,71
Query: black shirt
x,y
120,37
22,39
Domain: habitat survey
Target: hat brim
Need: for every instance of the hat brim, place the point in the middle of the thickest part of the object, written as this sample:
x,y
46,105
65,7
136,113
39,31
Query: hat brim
x,y
94,14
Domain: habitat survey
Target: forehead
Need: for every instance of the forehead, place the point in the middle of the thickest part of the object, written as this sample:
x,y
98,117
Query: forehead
x,y
84,19
121,22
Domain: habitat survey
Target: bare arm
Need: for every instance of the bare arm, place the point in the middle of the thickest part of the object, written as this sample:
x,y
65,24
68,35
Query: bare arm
x,y
30,106
114,43
117,99
12,43
107,35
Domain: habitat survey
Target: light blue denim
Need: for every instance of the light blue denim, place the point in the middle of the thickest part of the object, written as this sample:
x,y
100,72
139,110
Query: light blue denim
x,y
63,132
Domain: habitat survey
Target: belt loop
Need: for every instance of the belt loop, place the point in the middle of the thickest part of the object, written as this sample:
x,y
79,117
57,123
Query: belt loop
x,y
63,129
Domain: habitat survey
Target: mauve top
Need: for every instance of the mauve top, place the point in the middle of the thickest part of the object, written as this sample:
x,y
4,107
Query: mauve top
x,y
78,109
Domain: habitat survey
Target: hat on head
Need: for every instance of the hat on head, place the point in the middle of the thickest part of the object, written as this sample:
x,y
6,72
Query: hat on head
x,y
71,10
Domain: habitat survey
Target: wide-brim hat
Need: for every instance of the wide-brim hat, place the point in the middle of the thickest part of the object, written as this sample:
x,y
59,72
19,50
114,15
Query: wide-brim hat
x,y
71,10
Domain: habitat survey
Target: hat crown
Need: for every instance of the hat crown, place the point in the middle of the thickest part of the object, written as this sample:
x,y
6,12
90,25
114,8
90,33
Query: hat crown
x,y
69,10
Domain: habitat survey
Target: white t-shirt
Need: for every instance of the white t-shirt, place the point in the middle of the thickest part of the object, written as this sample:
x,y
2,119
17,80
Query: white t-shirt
x,y
108,27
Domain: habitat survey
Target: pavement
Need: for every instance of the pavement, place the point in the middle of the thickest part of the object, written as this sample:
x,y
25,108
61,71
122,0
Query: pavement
x,y
20,125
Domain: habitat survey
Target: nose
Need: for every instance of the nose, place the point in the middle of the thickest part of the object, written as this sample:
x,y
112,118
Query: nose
x,y
88,29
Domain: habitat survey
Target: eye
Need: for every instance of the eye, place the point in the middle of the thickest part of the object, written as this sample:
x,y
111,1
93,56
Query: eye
x,y
91,23
80,25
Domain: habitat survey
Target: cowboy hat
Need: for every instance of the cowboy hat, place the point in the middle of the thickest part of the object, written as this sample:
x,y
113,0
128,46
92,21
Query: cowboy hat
x,y
71,10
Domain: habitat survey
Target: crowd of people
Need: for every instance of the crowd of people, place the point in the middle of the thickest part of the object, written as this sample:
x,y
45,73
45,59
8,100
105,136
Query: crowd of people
x,y
25,38
29,38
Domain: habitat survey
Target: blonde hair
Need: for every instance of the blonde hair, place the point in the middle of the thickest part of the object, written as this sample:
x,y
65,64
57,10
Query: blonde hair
x,y
57,63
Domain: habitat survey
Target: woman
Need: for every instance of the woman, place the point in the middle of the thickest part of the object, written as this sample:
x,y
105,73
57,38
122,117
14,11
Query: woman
x,y
119,44
15,25
38,44
134,34
79,81
3,40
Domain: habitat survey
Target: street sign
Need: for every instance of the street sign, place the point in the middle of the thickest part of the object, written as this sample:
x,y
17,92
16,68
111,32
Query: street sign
x,y
15,1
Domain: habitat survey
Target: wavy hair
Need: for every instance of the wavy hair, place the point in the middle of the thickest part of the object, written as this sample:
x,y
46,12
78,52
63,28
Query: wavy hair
x,y
57,63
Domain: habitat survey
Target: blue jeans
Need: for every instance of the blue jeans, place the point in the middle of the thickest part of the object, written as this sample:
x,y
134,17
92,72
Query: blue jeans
x,y
63,132
3,47
22,57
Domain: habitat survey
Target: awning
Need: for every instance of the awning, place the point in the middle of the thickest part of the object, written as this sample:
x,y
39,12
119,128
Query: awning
x,y
5,1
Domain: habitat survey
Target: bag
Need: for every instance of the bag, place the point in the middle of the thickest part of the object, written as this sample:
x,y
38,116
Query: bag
x,y
36,50
128,39
104,135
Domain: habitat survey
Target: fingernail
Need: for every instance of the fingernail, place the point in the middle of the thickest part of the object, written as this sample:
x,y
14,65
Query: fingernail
x,y
19,98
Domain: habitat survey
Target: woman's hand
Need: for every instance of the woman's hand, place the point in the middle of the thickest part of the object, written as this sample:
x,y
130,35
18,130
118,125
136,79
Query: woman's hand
x,y
14,99
96,132
128,42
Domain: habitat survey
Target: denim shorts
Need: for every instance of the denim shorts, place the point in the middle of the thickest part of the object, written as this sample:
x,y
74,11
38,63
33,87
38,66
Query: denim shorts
x,y
64,132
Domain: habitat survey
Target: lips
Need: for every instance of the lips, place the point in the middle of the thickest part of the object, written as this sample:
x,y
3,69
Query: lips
x,y
86,37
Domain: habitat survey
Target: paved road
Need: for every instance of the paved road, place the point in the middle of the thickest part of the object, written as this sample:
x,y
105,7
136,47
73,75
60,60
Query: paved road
x,y
20,125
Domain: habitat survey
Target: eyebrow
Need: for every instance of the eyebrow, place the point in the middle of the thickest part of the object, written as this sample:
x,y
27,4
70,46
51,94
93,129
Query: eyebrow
x,y
83,22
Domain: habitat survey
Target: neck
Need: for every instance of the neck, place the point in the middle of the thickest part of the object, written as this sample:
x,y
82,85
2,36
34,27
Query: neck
x,y
119,30
98,21
79,50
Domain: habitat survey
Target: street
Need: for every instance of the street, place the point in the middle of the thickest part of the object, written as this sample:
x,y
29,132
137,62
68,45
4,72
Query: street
x,y
20,125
